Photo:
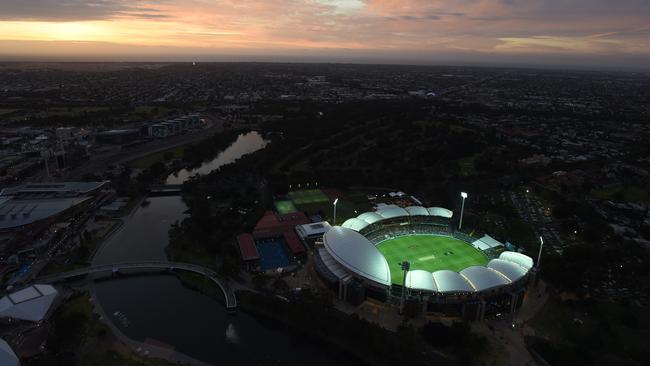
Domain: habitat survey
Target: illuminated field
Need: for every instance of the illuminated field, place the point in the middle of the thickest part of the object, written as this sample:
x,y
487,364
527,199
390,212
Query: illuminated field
x,y
429,253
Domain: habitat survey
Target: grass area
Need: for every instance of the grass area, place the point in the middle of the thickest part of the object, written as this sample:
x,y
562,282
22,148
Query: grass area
x,y
601,330
429,253
201,284
4,111
151,110
73,111
308,196
192,253
149,160
81,339
622,193
466,165
285,206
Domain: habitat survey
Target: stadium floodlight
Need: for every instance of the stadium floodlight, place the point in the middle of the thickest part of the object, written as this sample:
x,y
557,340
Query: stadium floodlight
x,y
406,266
335,202
539,255
462,208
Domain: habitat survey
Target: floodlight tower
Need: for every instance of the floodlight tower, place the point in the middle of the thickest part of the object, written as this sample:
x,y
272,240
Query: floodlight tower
x,y
405,267
462,208
539,260
539,255
334,220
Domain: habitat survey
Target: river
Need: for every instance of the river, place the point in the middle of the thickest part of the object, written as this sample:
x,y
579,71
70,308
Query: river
x,y
160,308
245,144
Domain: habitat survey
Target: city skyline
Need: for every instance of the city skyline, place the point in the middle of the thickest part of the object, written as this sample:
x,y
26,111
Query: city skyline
x,y
577,33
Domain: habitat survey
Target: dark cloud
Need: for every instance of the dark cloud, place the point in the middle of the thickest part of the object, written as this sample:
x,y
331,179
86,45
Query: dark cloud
x,y
71,10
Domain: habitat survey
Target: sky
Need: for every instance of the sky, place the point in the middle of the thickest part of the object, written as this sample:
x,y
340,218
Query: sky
x,y
607,33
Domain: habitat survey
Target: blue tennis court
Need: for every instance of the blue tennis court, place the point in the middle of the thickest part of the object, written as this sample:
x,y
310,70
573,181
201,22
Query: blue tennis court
x,y
272,253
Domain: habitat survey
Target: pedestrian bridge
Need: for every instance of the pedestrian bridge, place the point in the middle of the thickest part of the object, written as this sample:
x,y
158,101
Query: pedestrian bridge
x,y
229,294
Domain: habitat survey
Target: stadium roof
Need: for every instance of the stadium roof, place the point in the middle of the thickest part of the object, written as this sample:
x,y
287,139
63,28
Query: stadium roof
x,y
439,211
511,270
31,303
417,211
355,224
487,242
370,217
7,355
332,265
390,211
420,280
357,254
19,212
521,259
483,278
450,281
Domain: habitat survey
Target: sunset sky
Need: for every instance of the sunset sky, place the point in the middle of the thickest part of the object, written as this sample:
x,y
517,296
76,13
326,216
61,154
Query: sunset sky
x,y
613,33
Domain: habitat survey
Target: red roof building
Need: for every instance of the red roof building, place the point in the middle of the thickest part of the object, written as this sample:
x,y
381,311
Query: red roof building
x,y
247,247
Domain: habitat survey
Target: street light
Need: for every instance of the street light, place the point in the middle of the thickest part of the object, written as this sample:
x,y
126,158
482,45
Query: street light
x,y
462,208
335,202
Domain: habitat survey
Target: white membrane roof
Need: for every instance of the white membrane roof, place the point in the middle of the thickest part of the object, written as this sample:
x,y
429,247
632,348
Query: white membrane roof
x,y
483,278
521,259
450,281
439,211
357,254
370,217
511,270
417,211
355,224
420,280
390,212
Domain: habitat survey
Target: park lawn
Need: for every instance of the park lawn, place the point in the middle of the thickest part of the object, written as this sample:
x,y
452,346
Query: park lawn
x,y
429,253
149,160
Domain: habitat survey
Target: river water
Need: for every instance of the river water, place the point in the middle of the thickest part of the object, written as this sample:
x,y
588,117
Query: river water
x,y
245,144
160,308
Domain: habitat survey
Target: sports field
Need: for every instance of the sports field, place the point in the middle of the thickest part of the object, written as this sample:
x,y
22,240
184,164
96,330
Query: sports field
x,y
285,206
308,196
429,253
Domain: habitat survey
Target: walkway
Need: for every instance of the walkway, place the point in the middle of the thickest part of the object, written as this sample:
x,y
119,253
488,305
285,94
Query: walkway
x,y
229,294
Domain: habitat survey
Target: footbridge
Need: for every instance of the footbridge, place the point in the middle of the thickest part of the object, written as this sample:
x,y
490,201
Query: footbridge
x,y
114,268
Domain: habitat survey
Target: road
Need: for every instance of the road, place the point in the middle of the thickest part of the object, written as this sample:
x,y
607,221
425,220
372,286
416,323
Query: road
x,y
100,161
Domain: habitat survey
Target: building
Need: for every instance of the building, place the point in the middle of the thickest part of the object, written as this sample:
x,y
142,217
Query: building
x,y
117,137
7,355
311,233
31,304
34,203
467,278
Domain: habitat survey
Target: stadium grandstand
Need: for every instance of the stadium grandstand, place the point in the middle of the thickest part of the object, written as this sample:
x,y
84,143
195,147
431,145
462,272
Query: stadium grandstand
x,y
450,274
